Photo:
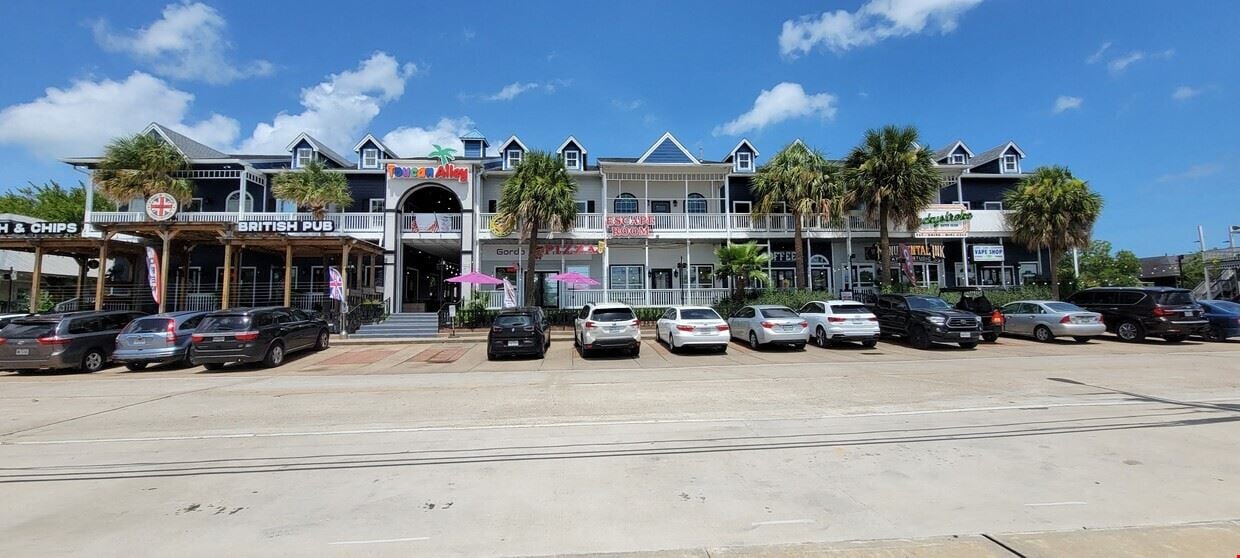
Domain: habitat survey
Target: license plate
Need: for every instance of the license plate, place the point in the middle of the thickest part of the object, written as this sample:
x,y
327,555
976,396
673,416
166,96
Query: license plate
x,y
966,334
858,322
612,329
217,339
21,352
139,341
512,343
788,328
703,330
1190,313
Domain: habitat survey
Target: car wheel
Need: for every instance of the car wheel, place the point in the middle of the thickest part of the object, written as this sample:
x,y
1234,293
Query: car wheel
x,y
275,355
1043,334
1081,339
723,349
869,344
1215,334
918,338
671,344
490,355
93,361
799,347
969,345
135,366
576,340
323,341
213,365
753,341
1129,330
1175,338
636,351
990,337
820,338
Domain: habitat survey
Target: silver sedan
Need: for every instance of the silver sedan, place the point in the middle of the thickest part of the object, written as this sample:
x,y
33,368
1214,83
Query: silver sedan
x,y
768,324
1045,320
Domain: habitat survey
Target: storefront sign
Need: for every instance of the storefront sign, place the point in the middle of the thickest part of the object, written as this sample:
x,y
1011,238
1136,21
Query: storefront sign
x,y
987,252
567,251
285,226
783,256
18,228
441,172
500,227
919,253
161,206
629,226
950,220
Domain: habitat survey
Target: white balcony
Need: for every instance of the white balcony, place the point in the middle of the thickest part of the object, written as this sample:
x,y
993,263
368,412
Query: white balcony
x,y
431,223
345,222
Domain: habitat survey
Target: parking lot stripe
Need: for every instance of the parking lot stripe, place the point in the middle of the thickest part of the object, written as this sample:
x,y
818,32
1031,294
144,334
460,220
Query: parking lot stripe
x,y
380,541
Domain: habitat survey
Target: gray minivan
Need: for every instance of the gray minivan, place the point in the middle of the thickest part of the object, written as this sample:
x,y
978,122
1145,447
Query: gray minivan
x,y
70,340
157,339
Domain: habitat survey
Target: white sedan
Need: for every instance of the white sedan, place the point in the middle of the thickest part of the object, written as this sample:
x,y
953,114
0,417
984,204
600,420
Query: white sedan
x,y
770,324
697,326
840,320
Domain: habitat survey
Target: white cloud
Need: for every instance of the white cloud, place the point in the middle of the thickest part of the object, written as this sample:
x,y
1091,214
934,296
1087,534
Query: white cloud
x,y
516,88
337,110
1192,173
780,103
874,21
82,118
1120,64
627,104
187,43
1097,55
1065,102
1184,93
416,141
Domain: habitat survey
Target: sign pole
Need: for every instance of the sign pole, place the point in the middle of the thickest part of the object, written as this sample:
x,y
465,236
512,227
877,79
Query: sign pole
x,y
1205,269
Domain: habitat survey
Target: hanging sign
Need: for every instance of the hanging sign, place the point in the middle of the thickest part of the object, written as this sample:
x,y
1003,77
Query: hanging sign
x,y
287,226
917,253
161,206
987,252
947,220
566,251
629,226
39,228
441,172
152,272
510,294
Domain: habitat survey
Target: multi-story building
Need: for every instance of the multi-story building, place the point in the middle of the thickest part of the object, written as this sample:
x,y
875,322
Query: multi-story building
x,y
647,225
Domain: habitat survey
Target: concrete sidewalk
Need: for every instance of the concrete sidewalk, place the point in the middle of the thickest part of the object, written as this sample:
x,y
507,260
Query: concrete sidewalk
x,y
1221,539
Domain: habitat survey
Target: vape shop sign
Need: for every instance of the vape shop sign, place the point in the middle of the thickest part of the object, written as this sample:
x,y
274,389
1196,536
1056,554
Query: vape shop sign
x,y
987,252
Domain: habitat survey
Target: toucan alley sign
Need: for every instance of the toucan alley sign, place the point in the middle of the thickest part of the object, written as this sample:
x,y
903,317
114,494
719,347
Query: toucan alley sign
x,y
442,172
18,228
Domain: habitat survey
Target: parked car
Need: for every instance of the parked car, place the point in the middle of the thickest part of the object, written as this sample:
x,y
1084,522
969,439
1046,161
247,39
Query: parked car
x,y
263,335
769,325
926,319
973,299
1134,313
1045,320
519,331
692,326
1224,318
840,320
158,339
71,340
607,325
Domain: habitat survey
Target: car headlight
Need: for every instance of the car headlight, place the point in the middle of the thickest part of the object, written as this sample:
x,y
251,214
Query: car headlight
x,y
937,320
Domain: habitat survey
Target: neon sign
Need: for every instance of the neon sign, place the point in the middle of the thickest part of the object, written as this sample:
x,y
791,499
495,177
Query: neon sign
x,y
441,172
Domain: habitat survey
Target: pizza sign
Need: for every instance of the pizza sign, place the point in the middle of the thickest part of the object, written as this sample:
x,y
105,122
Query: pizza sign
x,y
161,206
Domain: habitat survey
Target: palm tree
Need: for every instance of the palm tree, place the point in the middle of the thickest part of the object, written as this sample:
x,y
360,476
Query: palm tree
x,y
140,166
539,194
313,188
895,178
1054,210
743,263
805,182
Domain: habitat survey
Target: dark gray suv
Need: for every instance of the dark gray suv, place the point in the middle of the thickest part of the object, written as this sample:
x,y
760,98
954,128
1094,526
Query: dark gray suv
x,y
72,340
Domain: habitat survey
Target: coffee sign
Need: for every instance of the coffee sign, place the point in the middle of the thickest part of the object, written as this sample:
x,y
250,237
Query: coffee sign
x,y
290,226
39,228
629,226
948,220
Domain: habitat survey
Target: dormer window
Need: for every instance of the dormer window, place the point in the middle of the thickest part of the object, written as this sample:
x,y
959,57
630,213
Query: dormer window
x,y
512,158
957,159
572,160
744,161
305,156
370,158
1010,164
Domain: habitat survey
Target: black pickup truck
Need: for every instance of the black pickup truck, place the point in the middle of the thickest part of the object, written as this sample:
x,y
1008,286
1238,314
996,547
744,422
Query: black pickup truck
x,y
926,319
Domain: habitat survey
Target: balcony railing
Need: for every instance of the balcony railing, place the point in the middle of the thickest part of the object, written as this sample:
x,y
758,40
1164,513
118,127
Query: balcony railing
x,y
431,223
345,222
658,298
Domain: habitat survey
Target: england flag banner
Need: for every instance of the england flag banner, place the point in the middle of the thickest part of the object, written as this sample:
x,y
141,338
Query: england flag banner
x,y
510,294
152,272
335,284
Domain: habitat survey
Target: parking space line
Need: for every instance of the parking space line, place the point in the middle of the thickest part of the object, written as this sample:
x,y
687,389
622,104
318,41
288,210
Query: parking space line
x,y
382,541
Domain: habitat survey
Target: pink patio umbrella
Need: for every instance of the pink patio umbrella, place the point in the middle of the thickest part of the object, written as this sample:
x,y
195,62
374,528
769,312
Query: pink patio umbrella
x,y
574,279
475,278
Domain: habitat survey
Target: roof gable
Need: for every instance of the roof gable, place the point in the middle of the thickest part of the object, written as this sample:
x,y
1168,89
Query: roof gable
x,y
475,134
188,147
954,147
371,139
667,150
744,145
510,141
994,153
571,141
321,148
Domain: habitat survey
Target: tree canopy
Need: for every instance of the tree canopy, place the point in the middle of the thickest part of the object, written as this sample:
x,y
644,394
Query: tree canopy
x,y
540,193
51,202
1055,210
807,184
1101,268
141,165
313,188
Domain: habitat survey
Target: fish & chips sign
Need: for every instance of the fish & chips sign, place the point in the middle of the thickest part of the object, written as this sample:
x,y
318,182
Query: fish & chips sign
x,y
41,228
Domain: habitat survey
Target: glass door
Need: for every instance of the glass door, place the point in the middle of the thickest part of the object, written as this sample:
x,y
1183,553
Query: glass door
x,y
546,290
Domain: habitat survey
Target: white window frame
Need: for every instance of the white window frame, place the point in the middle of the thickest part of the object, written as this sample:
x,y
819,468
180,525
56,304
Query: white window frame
x,y
232,199
695,276
736,205
627,197
193,280
641,274
194,206
382,203
370,158
992,206
512,158
696,198
285,206
575,162
957,159
1010,163
304,156
582,206
745,163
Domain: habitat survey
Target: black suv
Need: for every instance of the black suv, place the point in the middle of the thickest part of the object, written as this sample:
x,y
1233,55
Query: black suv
x,y
519,331
255,335
1134,313
926,319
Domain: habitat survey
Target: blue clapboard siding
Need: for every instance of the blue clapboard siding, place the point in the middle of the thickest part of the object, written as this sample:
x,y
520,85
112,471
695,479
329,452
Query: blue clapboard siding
x,y
473,148
667,152
363,187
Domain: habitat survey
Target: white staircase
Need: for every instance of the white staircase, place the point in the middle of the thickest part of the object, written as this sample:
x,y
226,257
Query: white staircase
x,y
419,324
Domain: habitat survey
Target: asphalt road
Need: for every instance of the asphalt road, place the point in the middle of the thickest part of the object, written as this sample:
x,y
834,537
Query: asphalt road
x,y
526,457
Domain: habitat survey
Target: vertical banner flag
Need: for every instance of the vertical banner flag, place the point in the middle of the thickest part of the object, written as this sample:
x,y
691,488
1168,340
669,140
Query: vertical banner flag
x,y
152,272
335,284
510,294
906,256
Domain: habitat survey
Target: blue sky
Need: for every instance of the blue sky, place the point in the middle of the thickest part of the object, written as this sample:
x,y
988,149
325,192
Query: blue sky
x,y
1139,101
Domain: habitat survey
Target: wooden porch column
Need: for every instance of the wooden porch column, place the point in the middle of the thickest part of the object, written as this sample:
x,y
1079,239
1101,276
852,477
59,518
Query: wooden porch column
x,y
167,236
228,252
358,266
371,272
288,274
102,279
34,279
81,278
344,288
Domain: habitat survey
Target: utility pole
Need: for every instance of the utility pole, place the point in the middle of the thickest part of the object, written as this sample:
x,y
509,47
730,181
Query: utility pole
x,y
1205,269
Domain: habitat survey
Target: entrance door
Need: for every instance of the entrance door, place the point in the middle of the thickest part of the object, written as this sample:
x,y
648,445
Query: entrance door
x,y
411,285
661,279
547,291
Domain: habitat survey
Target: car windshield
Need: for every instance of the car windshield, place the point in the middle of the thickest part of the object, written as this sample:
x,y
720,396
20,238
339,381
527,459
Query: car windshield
x,y
927,303
613,315
224,323
849,309
514,320
698,314
148,325
27,330
1225,306
1172,298
1064,307
779,313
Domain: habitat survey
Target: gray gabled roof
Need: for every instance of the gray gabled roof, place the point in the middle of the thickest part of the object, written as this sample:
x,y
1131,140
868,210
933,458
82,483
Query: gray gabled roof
x,y
188,147
321,148
993,154
950,148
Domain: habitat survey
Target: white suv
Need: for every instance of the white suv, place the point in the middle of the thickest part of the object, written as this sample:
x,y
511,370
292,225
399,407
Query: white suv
x,y
607,325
